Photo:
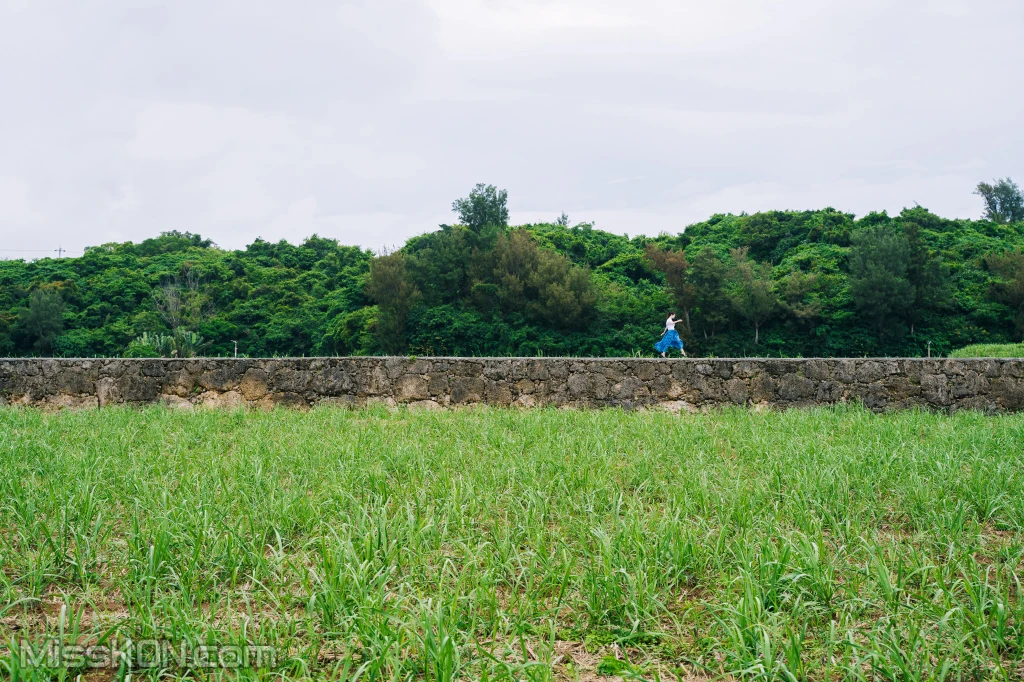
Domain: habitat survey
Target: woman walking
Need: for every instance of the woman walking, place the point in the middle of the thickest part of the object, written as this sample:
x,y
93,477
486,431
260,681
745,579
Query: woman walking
x,y
670,337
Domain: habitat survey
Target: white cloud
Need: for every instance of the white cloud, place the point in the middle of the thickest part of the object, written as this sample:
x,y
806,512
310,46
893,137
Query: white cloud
x,y
363,119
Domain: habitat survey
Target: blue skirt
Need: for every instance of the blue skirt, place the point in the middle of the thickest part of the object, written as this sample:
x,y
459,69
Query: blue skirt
x,y
670,340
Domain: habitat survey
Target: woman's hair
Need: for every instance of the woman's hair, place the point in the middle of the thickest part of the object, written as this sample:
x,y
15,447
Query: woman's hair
x,y
671,314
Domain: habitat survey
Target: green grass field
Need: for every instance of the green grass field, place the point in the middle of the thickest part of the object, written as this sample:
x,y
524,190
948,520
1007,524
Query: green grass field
x,y
990,350
829,544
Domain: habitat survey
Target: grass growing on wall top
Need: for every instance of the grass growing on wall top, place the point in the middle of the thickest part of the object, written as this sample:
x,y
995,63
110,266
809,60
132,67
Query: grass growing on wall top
x,y
546,544
990,350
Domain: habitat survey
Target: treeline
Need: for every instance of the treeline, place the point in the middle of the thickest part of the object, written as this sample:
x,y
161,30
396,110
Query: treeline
x,y
810,283
273,299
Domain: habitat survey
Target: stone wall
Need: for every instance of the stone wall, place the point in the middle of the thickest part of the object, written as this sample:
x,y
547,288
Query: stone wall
x,y
991,385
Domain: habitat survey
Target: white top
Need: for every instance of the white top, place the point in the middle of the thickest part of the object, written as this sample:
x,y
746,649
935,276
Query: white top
x,y
670,324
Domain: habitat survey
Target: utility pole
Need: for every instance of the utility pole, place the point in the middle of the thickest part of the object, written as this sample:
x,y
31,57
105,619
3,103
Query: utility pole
x,y
59,250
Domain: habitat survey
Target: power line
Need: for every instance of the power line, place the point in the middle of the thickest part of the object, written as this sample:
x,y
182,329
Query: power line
x,y
59,250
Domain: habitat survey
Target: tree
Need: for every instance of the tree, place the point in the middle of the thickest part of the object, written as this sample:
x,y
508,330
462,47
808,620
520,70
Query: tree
x,y
181,302
1008,289
391,288
673,263
878,277
752,290
928,274
442,264
43,320
563,220
566,297
6,344
171,241
707,275
515,260
799,295
486,206
1004,201
352,333
539,281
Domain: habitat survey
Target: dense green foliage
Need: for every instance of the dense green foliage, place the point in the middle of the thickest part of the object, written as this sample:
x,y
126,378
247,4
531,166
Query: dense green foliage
x,y
811,283
830,544
271,298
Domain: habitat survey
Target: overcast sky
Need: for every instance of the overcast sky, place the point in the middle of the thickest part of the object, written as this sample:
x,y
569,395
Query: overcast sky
x,y
363,119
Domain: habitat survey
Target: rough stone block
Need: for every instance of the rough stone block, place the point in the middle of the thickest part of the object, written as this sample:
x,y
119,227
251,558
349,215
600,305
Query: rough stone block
x,y
253,385
395,367
107,392
537,370
710,388
467,368
525,386
64,401
968,384
346,401
374,381
665,386
829,392
737,390
227,399
1013,368
676,406
935,389
745,369
1008,393
559,369
74,380
644,371
762,388
868,371
704,369
291,380
627,389
498,393
526,400
418,366
137,389
284,399
424,405
437,384
154,368
900,388
580,384
795,387
411,387
467,390
175,402
874,396
845,371
816,370
180,383
223,378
